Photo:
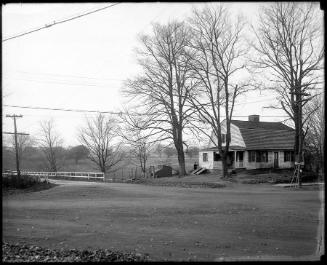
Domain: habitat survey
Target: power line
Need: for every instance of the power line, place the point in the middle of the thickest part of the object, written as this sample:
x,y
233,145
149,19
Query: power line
x,y
61,82
107,112
70,76
59,109
59,22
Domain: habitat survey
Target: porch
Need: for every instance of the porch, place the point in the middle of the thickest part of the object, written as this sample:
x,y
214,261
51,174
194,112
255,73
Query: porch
x,y
238,159
235,159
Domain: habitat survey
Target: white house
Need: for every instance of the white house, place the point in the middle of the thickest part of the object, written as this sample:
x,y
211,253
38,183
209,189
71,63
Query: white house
x,y
254,144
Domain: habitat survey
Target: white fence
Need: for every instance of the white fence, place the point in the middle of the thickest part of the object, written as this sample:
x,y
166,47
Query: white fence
x,y
46,175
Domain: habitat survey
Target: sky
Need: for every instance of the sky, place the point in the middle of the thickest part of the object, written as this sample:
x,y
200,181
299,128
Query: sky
x,y
82,64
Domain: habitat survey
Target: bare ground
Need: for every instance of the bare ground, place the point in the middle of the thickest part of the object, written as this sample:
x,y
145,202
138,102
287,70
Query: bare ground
x,y
236,222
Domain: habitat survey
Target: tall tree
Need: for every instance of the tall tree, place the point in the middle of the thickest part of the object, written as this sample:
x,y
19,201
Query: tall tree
x,y
98,137
290,51
164,85
50,142
217,62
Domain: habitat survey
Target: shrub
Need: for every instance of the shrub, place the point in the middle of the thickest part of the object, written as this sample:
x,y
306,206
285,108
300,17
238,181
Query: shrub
x,y
309,176
26,181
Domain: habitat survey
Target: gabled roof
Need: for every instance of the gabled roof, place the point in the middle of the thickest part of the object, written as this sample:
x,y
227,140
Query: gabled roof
x,y
266,135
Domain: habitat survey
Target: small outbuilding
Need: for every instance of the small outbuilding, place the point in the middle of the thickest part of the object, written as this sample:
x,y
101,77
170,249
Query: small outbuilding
x,y
163,171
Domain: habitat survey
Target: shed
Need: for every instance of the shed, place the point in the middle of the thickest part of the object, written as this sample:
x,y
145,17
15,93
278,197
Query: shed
x,y
163,171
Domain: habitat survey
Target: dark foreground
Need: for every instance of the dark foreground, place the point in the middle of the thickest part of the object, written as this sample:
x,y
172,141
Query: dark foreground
x,y
237,222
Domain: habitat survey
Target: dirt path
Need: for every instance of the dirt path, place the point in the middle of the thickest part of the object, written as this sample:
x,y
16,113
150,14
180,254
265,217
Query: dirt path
x,y
239,221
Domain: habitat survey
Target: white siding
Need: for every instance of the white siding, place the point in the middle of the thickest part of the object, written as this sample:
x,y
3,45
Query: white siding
x,y
206,164
210,164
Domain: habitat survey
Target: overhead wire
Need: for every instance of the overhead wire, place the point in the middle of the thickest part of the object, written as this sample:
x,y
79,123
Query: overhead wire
x,y
107,112
69,76
59,22
62,82
60,109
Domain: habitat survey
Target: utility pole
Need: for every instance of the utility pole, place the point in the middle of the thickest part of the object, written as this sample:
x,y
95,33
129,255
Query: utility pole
x,y
14,116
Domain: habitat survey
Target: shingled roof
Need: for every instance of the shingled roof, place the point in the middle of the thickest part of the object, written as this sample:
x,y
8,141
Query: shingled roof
x,y
266,135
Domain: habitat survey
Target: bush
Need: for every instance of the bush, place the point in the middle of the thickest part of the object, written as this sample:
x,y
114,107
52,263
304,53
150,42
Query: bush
x,y
26,181
309,176
283,179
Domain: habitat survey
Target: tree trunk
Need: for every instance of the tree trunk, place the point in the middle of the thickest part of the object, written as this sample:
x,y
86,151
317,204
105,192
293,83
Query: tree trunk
x,y
225,166
178,141
181,158
102,168
181,162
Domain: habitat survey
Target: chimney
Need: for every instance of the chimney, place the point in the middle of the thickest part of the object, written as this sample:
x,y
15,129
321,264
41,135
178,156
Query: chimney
x,y
254,118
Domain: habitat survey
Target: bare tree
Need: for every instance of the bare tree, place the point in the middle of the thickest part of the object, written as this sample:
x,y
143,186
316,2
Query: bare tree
x,y
216,62
290,52
135,134
98,136
50,143
165,84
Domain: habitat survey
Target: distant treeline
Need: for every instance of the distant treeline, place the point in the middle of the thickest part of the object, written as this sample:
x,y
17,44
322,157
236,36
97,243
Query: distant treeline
x,y
75,158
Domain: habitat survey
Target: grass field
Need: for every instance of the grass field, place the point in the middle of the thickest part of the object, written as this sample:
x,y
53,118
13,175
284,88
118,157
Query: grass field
x,y
236,222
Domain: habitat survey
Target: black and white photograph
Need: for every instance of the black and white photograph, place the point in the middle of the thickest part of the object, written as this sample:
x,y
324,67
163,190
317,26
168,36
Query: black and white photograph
x,y
163,131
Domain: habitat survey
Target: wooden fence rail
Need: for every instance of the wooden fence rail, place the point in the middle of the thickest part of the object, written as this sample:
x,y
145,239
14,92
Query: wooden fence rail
x,y
86,175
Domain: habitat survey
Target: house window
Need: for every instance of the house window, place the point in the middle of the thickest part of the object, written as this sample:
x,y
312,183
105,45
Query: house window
x,y
216,156
288,156
205,157
223,138
264,156
261,156
258,156
251,156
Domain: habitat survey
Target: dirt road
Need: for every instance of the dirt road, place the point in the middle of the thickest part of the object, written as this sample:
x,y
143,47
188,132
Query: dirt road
x,y
236,222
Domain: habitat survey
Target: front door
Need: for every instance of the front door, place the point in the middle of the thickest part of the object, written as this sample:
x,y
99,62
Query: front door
x,y
275,159
239,158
